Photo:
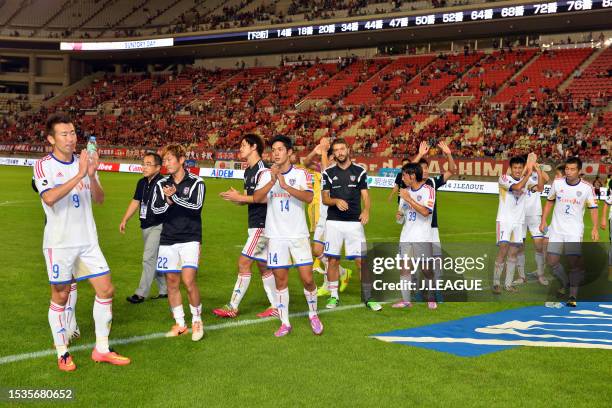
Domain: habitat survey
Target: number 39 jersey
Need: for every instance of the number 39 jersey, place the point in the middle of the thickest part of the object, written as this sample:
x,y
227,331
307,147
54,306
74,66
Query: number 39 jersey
x,y
570,200
285,216
70,222
417,228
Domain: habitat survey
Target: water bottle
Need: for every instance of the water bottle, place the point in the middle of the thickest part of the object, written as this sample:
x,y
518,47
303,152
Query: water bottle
x,y
92,146
553,305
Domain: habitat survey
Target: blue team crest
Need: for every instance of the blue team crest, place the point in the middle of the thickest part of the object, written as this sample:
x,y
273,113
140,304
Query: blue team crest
x,y
419,198
353,178
579,193
586,326
291,182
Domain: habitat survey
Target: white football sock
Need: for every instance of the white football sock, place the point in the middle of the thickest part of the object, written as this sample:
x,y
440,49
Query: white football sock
x,y
282,297
333,288
179,315
499,269
196,313
510,267
240,288
70,310
103,318
58,328
539,258
311,299
269,284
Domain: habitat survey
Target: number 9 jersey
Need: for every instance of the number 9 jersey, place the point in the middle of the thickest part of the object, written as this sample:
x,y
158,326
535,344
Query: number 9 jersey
x,y
70,222
285,217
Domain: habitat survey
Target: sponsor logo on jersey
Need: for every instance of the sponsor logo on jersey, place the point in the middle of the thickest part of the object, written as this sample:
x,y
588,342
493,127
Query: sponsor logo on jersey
x,y
59,174
419,198
579,193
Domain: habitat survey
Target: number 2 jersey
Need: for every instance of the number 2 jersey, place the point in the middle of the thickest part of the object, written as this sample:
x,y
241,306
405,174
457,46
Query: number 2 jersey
x,y
570,200
285,216
417,228
70,221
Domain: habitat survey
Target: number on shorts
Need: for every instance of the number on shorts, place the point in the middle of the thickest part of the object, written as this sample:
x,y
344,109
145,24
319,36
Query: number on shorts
x,y
284,205
327,246
55,269
412,216
76,201
162,262
273,259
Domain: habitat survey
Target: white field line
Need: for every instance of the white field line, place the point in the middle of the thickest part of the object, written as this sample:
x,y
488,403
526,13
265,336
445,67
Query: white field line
x,y
137,339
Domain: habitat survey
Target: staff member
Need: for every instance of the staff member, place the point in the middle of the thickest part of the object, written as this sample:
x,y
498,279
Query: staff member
x,y
151,226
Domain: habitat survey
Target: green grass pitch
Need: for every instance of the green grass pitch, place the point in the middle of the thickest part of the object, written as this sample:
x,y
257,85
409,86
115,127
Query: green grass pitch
x,y
244,365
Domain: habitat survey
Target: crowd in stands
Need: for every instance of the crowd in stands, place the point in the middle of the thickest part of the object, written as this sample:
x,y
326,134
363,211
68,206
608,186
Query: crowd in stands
x,y
210,110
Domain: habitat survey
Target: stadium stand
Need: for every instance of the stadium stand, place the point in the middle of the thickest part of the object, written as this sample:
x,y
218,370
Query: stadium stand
x,y
382,106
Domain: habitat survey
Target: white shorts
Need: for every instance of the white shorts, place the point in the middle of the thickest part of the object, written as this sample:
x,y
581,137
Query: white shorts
x,y
349,233
173,258
532,224
509,233
319,232
568,244
64,264
418,250
256,246
285,253
436,245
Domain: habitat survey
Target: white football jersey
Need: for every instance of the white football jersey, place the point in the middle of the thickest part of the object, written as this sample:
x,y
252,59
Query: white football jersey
x,y
417,228
511,207
70,222
322,210
609,202
533,202
570,201
285,216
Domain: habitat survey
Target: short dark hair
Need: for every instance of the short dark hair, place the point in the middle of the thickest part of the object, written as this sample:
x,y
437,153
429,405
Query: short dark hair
x,y
284,140
406,160
574,160
338,140
54,119
415,169
424,161
254,140
330,152
156,158
517,160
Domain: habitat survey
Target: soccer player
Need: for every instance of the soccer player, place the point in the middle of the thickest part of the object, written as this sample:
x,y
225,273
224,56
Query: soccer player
x,y
151,226
318,245
415,210
72,328
285,189
67,185
510,220
436,183
344,186
180,196
569,196
533,217
255,248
